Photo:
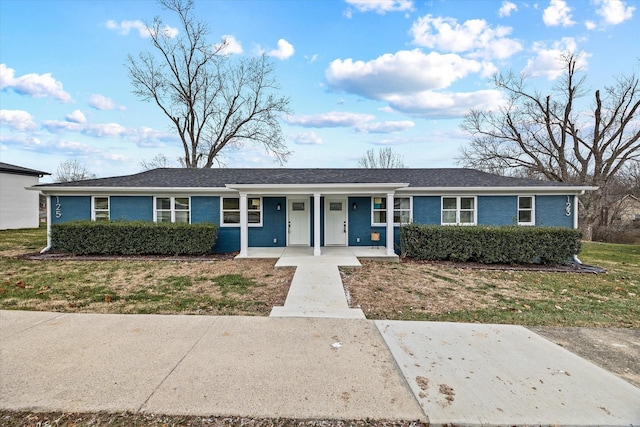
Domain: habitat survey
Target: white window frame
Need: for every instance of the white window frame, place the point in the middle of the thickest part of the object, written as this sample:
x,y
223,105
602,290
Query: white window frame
x,y
532,210
395,199
94,210
459,209
250,199
172,209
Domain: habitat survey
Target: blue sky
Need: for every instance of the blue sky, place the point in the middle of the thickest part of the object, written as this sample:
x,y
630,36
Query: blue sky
x,y
360,74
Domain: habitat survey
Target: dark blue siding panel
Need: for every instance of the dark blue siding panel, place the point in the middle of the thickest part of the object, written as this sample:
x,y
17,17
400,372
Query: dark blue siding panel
x,y
70,208
273,224
228,240
360,221
426,210
131,208
205,209
551,211
497,210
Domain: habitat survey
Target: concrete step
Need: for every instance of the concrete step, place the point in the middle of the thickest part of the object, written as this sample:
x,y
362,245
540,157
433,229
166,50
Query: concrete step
x,y
328,313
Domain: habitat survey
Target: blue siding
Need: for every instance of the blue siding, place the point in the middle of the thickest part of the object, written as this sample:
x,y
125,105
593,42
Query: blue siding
x,y
497,210
131,208
550,211
274,224
228,240
205,209
70,208
426,210
360,221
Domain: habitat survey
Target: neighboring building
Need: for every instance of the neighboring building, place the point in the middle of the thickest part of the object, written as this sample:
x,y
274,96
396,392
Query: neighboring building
x,y
19,207
626,211
315,207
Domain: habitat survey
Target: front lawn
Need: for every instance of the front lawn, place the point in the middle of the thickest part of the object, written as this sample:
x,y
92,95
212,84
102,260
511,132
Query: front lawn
x,y
406,291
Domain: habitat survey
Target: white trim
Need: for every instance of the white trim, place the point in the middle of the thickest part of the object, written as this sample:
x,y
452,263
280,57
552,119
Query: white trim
x,y
459,208
172,209
93,207
397,196
488,191
533,211
255,224
349,189
149,191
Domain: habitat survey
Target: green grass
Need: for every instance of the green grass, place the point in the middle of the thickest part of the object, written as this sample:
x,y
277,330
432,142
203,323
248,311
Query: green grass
x,y
25,240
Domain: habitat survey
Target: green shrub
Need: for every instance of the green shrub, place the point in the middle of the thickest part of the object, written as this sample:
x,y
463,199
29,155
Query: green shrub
x,y
490,245
133,238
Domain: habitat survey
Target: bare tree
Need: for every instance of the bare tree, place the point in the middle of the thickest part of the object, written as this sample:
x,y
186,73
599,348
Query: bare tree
x,y
549,137
158,161
212,99
72,170
384,158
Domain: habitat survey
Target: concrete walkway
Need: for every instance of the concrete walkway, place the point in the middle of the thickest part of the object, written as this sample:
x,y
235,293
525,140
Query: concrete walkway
x,y
316,289
306,368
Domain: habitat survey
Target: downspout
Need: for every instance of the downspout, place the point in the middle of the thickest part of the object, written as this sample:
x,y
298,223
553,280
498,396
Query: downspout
x,y
48,248
575,222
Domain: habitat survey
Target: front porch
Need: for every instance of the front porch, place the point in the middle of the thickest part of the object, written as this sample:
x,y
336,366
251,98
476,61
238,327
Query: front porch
x,y
360,252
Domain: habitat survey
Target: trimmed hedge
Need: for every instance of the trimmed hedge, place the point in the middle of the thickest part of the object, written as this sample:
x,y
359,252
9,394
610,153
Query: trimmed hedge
x,y
133,238
490,245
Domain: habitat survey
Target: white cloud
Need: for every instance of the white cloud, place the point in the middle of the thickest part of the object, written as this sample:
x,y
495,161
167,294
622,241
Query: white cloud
x,y
557,13
21,141
402,72
284,51
381,6
385,127
445,104
34,85
124,27
331,119
72,147
475,36
506,9
614,12
590,25
100,102
306,138
229,45
17,120
76,117
548,61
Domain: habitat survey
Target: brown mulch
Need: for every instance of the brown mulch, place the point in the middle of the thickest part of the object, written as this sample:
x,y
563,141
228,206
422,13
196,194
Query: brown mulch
x,y
62,256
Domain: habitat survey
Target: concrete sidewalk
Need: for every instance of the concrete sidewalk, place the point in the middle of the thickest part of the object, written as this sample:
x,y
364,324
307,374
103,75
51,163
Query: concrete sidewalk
x,y
445,373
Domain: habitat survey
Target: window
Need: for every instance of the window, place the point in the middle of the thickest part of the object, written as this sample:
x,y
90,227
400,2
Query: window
x,y
525,210
100,211
458,210
401,210
172,209
231,211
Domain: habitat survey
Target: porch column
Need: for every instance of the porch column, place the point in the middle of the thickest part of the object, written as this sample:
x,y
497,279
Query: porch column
x,y
316,225
244,228
390,237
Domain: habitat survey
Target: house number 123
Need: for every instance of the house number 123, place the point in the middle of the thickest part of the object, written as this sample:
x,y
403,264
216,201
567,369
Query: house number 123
x,y
58,208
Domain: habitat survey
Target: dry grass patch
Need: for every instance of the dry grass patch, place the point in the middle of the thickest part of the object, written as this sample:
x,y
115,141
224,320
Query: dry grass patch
x,y
413,290
216,287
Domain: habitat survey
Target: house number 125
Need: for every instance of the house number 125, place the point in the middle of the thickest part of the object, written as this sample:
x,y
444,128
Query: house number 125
x,y
58,208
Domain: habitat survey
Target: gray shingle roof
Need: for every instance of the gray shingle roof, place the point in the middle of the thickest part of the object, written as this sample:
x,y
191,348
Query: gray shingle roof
x,y
204,178
19,170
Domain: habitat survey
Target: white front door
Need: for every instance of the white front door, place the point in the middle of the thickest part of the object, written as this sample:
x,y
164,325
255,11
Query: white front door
x,y
298,231
335,222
